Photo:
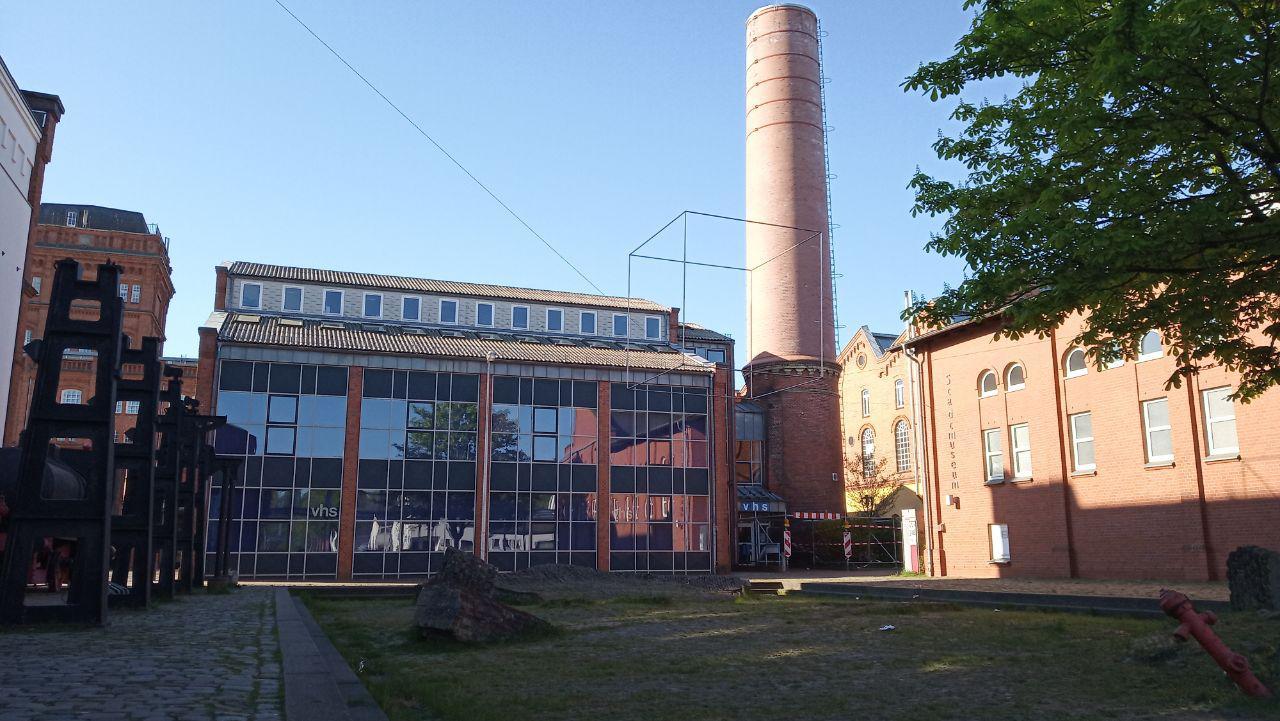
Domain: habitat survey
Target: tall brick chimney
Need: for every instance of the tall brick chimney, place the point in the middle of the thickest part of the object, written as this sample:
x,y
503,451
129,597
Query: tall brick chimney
x,y
791,367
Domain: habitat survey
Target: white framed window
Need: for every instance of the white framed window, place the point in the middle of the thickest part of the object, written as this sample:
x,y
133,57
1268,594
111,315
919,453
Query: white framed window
x,y
520,317
902,446
135,294
124,293
868,453
333,302
987,385
1020,443
652,327
448,311
26,337
1082,458
621,325
1151,347
291,299
1115,363
373,305
250,295
71,396
36,282
119,407
411,308
587,322
899,394
994,456
1075,365
132,407
866,402
484,314
1220,422
555,320
999,542
1156,427
72,217
1015,379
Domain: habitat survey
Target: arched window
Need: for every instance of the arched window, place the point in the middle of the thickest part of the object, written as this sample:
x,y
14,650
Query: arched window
x,y
868,453
1151,346
899,394
1075,364
902,446
1015,379
987,384
71,396
866,402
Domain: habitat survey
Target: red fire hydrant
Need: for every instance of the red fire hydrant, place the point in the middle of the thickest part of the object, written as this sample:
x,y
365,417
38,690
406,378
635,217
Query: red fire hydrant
x,y
1195,624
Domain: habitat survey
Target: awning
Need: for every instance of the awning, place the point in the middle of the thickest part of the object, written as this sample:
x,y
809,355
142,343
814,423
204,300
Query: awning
x,y
758,499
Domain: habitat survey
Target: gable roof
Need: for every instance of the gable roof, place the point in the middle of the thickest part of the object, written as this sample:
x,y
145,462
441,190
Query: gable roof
x,y
440,287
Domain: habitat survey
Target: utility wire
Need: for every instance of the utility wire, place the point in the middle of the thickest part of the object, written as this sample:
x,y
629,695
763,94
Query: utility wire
x,y
439,147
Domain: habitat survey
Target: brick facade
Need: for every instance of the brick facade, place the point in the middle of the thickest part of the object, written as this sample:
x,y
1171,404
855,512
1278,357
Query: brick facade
x,y
803,460
145,261
867,364
1128,516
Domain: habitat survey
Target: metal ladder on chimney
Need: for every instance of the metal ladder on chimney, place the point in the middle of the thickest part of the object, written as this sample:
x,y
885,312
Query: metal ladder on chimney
x,y
826,164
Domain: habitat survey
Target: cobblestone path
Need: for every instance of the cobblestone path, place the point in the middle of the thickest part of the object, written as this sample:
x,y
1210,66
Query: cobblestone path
x,y
200,657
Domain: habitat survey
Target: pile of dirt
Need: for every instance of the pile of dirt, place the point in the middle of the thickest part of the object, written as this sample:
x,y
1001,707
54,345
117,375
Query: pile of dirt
x,y
558,582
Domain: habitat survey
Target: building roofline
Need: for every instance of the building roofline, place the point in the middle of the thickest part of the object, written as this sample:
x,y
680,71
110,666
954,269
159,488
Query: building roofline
x,y
403,283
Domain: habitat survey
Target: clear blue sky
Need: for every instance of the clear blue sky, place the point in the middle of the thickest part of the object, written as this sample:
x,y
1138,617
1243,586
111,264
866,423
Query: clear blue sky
x,y
597,121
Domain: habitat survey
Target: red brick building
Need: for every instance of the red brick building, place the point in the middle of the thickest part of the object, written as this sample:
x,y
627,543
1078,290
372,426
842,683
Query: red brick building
x,y
1041,464
91,235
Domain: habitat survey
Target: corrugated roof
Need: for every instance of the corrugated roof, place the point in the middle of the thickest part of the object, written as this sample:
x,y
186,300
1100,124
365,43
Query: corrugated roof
x,y
363,338
440,287
693,331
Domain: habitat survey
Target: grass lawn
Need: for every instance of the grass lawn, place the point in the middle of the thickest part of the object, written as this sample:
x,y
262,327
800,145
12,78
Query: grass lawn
x,y
684,657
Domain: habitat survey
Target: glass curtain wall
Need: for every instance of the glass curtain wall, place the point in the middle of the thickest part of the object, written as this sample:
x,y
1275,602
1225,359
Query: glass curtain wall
x,y
542,477
659,480
287,423
416,489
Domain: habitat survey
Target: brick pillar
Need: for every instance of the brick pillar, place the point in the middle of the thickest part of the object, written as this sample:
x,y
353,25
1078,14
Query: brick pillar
x,y
603,513
206,368
484,412
220,287
350,469
721,406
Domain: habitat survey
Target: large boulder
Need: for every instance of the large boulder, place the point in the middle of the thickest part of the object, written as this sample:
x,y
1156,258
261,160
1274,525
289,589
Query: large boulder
x,y
461,601
1253,575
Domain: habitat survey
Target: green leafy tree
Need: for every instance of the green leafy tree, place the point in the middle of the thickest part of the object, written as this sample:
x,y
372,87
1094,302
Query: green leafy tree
x,y
1132,178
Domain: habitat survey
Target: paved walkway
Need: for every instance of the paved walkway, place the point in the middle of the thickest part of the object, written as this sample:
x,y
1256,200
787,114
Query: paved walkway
x,y
1052,586
201,657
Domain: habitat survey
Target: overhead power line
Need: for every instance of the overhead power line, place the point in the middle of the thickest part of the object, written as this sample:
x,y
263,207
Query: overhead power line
x,y
439,147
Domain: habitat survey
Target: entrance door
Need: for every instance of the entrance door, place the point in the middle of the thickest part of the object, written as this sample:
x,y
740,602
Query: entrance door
x,y
747,543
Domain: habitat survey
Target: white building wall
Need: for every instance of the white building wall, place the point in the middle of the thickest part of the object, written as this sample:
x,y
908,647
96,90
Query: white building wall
x,y
19,136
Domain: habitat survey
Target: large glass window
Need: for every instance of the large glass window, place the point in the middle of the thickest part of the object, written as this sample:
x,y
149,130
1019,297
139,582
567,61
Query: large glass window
x,y
287,422
1020,442
410,308
994,456
1220,422
902,446
1082,442
555,320
659,481
416,487
1159,432
748,456
543,503
333,302
250,295
291,299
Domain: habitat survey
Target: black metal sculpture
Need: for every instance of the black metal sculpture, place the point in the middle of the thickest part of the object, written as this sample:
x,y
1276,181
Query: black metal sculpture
x,y
133,565
58,501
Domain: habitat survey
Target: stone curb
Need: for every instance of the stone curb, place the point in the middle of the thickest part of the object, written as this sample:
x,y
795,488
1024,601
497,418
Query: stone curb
x,y
1106,605
318,684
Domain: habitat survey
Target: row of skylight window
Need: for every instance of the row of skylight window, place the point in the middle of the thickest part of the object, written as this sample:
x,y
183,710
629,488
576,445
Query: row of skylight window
x,y
411,310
